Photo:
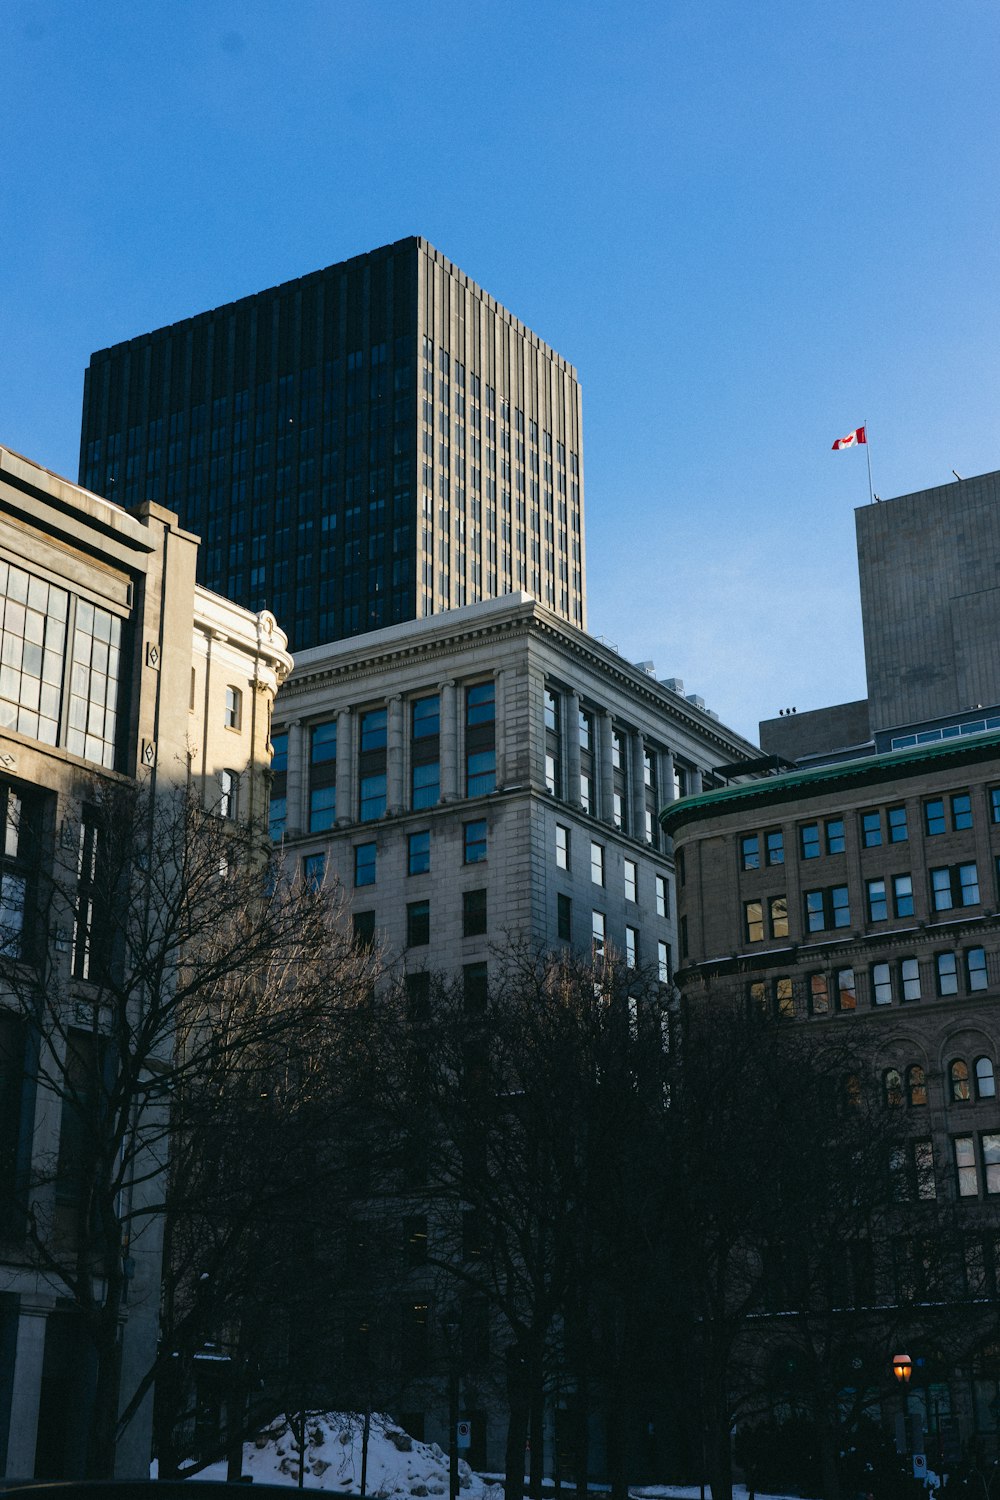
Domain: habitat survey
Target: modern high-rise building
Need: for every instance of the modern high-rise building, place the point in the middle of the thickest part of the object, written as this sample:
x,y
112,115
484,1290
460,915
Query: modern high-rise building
x,y
368,444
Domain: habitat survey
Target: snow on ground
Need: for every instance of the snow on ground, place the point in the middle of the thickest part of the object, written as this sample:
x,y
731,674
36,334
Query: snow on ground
x,y
397,1464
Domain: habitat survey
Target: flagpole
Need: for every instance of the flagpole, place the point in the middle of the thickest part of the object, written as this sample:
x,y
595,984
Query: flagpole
x,y
868,455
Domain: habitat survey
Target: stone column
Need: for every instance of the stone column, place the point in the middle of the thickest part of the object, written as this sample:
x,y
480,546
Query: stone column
x,y
28,1358
606,770
296,780
394,783
449,745
637,789
345,768
668,791
694,781
572,703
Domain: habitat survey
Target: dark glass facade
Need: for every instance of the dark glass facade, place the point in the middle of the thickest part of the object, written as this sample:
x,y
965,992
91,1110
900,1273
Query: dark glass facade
x,y
373,442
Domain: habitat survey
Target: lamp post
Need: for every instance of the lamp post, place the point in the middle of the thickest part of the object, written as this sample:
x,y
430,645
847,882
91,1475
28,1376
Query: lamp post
x,y
450,1325
902,1368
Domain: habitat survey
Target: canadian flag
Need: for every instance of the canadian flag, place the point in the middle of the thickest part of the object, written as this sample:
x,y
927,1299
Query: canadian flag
x,y
857,436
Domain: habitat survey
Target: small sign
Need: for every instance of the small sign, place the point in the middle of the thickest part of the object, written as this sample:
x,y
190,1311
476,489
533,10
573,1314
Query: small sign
x,y
920,1465
463,1435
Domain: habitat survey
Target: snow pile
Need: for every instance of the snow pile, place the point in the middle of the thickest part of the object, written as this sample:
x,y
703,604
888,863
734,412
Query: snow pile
x,y
397,1463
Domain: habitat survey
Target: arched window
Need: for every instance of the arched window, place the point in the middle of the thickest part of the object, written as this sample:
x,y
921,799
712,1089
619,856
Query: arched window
x,y
851,1094
916,1086
892,1087
986,1084
958,1079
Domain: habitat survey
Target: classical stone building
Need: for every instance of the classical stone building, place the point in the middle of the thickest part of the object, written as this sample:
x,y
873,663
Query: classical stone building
x,y
864,893
371,443
114,667
485,776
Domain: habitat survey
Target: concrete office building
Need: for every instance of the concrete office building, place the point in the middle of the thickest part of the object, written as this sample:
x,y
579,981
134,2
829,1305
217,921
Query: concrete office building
x,y
115,666
371,443
930,606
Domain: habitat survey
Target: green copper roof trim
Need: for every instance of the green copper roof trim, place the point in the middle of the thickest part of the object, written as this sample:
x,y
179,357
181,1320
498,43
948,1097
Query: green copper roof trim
x,y
875,768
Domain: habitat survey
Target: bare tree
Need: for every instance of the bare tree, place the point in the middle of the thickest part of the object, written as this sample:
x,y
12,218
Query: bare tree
x,y
184,973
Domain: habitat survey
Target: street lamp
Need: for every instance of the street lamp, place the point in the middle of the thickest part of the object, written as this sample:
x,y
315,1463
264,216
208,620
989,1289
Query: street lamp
x,y
902,1368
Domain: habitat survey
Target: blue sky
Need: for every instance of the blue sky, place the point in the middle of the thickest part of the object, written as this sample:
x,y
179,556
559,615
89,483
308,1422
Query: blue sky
x,y
751,226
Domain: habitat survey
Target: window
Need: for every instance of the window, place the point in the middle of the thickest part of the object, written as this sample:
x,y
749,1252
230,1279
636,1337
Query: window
x,y
414,1344
909,978
19,851
364,928
562,847
775,847
986,1085
881,984
474,851
947,973
847,994
756,998
995,803
966,1175
922,1168
418,852
631,947
322,776
373,730
961,810
871,829
991,1162
91,938
481,773
564,918
958,1081
418,923
480,704
277,815
916,1086
902,895
322,808
663,969
473,912
819,995
425,784
896,819
475,989
473,1237
314,871
364,864
631,880
892,1088
597,934
371,803
597,863
975,969
778,913
934,822
827,908
809,840
835,836
662,896
229,789
878,904
954,885
750,852
784,1003
234,708
753,921
426,717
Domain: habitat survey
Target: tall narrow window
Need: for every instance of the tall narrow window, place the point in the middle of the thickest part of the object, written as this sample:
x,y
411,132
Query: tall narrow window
x,y
278,808
234,708
663,969
631,947
597,934
631,880
662,896
562,847
425,764
19,851
480,739
597,863
322,776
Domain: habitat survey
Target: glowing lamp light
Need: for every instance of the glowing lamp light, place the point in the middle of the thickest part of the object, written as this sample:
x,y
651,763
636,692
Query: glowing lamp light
x,y
902,1368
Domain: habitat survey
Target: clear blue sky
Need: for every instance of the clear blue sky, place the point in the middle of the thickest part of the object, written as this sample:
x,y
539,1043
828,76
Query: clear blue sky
x,y
751,226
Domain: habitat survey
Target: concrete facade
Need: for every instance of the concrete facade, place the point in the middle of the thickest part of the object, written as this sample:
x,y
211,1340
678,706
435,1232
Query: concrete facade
x,y
866,894
115,667
930,601
374,442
